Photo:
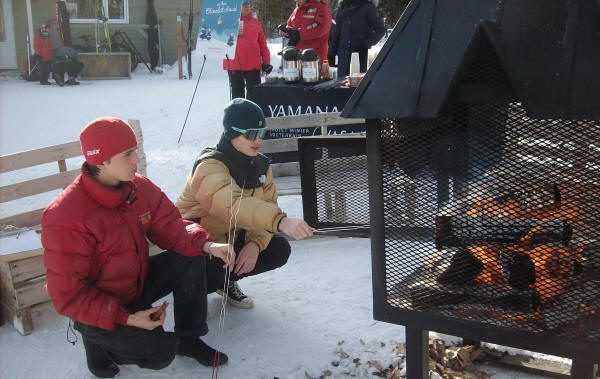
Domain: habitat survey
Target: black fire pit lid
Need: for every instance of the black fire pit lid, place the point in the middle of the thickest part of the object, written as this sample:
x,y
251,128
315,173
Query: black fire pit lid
x,y
549,52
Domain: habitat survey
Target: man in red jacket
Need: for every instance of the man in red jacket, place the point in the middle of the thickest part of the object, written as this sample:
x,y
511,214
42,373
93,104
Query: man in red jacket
x,y
251,56
97,265
308,26
42,46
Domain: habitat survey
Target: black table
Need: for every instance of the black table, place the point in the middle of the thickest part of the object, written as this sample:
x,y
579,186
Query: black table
x,y
282,99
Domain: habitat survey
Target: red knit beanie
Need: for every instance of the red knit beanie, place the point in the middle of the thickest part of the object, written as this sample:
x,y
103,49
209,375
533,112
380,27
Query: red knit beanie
x,y
104,138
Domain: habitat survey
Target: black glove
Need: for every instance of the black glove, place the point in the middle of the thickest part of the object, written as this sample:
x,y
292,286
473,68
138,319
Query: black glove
x,y
267,68
331,60
282,28
293,36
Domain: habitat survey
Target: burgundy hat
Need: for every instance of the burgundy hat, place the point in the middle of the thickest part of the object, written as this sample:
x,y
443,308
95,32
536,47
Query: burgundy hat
x,y
104,138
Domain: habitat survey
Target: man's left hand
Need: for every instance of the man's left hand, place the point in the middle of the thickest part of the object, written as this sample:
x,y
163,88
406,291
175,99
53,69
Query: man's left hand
x,y
246,259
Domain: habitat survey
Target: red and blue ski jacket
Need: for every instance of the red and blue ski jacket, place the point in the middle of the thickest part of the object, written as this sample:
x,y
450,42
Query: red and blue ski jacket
x,y
251,50
42,45
313,20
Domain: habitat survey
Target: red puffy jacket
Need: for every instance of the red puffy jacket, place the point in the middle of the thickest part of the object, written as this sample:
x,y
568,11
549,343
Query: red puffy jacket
x,y
95,247
313,21
42,45
251,50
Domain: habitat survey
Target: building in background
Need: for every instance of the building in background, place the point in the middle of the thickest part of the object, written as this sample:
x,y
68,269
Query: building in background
x,y
19,19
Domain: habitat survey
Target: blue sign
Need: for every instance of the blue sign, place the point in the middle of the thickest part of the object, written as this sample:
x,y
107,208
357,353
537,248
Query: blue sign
x,y
218,27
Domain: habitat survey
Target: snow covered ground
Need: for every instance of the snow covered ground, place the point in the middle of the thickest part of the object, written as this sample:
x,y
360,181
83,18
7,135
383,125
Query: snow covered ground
x,y
312,316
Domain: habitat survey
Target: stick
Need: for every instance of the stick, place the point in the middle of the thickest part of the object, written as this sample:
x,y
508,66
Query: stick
x,y
338,229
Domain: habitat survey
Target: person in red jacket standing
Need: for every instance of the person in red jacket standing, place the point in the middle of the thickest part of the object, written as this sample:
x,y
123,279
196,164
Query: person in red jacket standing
x,y
251,56
308,26
98,269
42,46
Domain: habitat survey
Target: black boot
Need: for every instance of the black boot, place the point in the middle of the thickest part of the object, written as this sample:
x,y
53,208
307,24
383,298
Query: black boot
x,y
97,361
196,348
59,79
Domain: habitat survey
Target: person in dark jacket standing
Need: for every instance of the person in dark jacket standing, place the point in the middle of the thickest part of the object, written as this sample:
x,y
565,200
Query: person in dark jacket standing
x,y
152,31
98,270
308,26
42,45
357,28
251,56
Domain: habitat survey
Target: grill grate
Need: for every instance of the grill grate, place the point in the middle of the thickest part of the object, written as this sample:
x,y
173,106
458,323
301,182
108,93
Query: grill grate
x,y
492,216
335,188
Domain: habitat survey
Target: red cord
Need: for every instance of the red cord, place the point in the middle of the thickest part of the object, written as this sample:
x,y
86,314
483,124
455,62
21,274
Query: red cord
x,y
215,365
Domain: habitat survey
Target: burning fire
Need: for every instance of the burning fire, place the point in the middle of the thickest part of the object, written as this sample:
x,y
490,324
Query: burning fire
x,y
554,265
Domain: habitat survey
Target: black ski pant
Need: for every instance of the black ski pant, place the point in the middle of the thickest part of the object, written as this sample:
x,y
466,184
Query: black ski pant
x,y
344,57
44,71
153,47
155,349
274,256
242,83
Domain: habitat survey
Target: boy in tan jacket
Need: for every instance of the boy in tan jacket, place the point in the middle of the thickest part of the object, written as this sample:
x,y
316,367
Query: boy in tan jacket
x,y
231,193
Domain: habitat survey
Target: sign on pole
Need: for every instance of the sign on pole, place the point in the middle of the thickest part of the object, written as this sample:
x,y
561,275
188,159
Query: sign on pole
x,y
218,27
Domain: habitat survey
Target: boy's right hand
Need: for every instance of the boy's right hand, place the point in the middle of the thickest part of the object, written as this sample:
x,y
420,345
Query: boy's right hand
x,y
223,251
296,228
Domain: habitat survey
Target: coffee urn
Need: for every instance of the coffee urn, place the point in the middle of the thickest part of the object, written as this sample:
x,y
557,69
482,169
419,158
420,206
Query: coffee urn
x,y
292,64
310,66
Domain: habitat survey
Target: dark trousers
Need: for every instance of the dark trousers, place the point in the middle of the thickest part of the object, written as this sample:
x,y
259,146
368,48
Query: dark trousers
x,y
344,61
73,68
242,83
275,255
153,47
44,71
155,349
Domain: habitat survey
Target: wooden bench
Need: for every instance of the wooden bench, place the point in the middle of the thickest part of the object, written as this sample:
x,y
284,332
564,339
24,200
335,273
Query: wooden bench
x,y
22,274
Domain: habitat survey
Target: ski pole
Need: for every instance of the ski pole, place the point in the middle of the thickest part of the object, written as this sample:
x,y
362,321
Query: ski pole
x,y
192,101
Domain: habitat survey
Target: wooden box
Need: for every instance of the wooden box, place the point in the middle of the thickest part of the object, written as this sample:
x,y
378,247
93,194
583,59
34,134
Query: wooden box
x,y
23,284
106,65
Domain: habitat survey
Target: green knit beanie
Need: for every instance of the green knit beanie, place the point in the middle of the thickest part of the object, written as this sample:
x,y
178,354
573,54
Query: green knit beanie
x,y
242,114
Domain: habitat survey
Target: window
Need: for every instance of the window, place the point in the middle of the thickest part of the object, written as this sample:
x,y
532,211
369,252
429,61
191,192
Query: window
x,y
115,11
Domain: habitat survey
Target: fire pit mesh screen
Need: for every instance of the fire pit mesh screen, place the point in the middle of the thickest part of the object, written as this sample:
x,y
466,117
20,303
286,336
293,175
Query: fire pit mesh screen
x,y
342,188
493,216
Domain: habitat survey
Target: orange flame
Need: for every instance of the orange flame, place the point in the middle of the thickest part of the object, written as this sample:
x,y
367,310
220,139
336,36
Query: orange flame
x,y
554,265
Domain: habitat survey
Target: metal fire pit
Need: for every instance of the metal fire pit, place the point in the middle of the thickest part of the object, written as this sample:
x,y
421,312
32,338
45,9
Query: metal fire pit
x,y
487,227
483,150
335,192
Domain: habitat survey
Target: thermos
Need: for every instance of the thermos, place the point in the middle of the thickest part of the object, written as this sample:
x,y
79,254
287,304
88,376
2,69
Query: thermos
x,y
310,66
292,65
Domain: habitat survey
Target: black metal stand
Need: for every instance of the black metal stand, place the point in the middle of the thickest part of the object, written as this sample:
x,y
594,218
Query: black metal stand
x,y
417,353
582,369
127,42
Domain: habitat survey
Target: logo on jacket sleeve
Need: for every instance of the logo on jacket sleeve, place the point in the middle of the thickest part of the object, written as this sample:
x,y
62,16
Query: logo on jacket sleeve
x,y
145,218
